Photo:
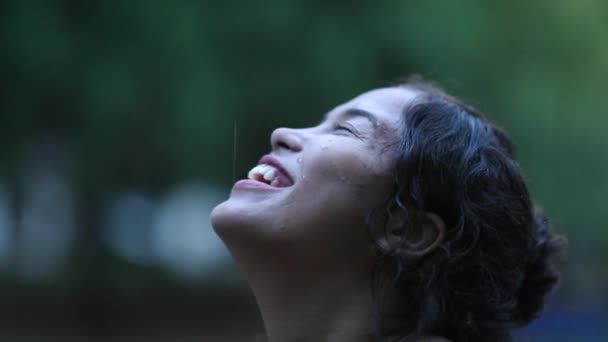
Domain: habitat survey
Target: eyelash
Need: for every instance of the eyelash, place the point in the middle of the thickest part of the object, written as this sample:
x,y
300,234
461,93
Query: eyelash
x,y
342,127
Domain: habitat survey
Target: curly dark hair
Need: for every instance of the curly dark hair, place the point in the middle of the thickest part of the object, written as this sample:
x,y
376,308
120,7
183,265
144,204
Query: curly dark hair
x,y
491,272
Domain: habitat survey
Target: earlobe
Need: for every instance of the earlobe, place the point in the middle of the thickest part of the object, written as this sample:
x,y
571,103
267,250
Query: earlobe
x,y
414,233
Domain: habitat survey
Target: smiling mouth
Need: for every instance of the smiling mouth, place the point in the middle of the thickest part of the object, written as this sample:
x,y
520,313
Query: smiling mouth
x,y
270,175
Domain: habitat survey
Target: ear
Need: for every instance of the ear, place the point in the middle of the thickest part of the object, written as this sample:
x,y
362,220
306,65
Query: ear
x,y
414,232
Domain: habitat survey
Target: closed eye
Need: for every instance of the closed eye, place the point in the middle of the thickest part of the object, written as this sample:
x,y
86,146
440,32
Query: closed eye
x,y
348,130
339,127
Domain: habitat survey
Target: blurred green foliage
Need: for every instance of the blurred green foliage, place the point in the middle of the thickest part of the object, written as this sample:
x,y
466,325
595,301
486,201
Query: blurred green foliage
x,y
148,93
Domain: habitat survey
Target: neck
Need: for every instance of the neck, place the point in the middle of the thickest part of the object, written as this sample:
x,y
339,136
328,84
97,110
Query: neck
x,y
325,299
331,310
328,311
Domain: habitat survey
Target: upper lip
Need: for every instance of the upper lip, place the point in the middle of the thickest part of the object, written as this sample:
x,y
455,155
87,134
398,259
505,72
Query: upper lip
x,y
270,160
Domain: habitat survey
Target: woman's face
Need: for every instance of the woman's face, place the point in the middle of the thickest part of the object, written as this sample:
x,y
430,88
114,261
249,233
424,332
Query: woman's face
x,y
324,181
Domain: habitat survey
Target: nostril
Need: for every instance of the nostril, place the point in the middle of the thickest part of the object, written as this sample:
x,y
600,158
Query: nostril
x,y
285,139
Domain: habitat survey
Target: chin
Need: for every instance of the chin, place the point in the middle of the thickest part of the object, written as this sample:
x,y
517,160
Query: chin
x,y
232,218
246,233
223,216
216,215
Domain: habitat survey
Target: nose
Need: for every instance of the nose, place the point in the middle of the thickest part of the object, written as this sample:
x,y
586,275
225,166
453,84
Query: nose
x,y
286,138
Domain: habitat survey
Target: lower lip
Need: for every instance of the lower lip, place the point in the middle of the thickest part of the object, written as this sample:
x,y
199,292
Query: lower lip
x,y
251,184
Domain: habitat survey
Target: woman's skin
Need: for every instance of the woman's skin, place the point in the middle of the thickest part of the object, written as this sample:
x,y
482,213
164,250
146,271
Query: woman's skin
x,y
304,248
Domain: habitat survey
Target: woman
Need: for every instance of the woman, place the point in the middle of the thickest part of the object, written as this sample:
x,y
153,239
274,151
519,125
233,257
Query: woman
x,y
402,216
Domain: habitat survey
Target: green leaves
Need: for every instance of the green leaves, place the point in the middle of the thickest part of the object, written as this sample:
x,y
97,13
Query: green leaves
x,y
147,93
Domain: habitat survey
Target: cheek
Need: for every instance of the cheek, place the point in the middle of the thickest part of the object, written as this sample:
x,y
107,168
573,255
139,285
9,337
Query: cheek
x,y
344,179
351,170
329,207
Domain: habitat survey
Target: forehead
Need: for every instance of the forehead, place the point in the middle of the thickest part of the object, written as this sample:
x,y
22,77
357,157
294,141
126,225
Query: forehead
x,y
386,104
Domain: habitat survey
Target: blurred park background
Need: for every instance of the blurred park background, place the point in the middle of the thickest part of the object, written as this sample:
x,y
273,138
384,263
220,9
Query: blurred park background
x,y
125,122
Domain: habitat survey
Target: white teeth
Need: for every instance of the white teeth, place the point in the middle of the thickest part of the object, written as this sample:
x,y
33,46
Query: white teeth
x,y
267,172
269,175
257,170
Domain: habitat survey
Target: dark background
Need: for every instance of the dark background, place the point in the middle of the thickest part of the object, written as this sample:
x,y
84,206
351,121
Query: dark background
x,y
124,122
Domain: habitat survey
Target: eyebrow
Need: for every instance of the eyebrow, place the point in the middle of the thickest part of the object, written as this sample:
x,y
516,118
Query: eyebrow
x,y
356,112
